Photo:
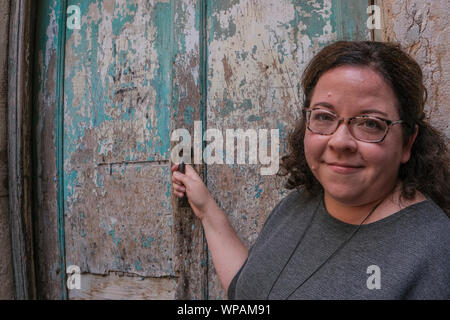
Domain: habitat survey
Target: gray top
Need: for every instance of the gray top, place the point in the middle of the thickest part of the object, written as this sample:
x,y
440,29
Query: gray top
x,y
403,256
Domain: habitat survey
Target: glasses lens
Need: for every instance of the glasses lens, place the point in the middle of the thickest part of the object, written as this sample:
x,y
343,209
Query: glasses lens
x,y
322,122
368,128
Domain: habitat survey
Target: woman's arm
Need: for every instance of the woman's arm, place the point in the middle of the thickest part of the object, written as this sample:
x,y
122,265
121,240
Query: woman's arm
x,y
227,250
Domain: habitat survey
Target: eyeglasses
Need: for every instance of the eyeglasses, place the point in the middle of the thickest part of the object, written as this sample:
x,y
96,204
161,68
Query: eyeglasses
x,y
363,128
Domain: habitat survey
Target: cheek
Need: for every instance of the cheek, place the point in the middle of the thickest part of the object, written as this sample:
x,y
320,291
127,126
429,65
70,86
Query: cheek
x,y
314,148
382,162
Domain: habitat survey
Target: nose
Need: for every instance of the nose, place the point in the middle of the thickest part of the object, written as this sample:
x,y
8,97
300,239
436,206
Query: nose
x,y
342,139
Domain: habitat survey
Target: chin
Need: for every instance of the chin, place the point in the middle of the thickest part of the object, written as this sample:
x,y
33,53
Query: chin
x,y
347,195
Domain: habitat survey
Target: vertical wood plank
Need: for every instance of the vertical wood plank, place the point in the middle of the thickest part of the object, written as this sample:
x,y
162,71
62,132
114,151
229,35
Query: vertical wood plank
x,y
190,250
19,147
7,290
137,57
117,88
47,130
350,17
131,77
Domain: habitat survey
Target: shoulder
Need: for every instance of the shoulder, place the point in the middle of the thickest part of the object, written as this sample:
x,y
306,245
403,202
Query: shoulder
x,y
429,222
289,212
430,236
424,226
436,232
428,233
298,200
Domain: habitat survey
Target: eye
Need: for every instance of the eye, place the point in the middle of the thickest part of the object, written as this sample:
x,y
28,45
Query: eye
x,y
323,116
371,124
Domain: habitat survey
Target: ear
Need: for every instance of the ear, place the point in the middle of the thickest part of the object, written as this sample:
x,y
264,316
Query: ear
x,y
407,148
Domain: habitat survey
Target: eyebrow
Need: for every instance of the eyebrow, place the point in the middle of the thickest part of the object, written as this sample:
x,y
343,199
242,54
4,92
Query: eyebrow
x,y
366,111
324,104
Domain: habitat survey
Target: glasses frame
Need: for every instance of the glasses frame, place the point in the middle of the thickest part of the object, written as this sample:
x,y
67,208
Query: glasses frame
x,y
389,124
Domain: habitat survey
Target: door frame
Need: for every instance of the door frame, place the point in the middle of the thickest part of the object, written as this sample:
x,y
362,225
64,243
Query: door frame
x,y
20,65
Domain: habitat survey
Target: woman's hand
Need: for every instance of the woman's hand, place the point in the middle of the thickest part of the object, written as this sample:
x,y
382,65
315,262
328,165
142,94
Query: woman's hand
x,y
190,183
227,250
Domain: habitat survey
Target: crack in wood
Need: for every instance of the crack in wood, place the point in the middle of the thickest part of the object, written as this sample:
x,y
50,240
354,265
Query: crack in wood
x,y
121,163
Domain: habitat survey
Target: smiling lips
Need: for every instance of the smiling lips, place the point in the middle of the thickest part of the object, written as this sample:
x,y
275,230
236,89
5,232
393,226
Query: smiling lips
x,y
343,168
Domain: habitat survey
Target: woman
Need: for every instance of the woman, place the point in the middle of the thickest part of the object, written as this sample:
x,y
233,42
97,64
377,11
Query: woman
x,y
368,218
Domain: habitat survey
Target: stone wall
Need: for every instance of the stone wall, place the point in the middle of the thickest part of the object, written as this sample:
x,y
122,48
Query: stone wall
x,y
422,29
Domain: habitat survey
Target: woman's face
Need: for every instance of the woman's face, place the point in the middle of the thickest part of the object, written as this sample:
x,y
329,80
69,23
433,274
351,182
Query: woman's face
x,y
353,172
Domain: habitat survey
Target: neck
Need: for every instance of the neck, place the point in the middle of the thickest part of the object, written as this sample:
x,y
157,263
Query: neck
x,y
356,213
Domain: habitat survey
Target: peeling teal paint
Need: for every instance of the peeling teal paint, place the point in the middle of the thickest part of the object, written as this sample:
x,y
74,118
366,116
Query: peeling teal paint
x,y
316,19
162,18
146,243
242,55
258,191
121,20
181,20
70,183
128,115
253,117
138,267
59,10
228,107
222,34
347,28
112,233
283,137
188,115
96,93
216,31
246,104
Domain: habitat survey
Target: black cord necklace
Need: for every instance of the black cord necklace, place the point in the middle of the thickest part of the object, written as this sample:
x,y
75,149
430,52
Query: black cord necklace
x,y
328,258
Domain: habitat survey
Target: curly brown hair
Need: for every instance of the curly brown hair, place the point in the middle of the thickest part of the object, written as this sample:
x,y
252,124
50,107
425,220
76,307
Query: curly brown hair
x,y
427,170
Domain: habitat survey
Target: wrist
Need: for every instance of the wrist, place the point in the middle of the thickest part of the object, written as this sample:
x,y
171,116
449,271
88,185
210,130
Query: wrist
x,y
209,211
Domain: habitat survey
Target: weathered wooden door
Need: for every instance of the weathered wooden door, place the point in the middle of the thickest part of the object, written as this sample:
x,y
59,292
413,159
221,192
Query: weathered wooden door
x,y
127,74
110,91
121,101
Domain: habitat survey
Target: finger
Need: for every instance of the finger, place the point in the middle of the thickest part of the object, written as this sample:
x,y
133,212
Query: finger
x,y
191,172
174,167
176,181
180,177
179,188
178,194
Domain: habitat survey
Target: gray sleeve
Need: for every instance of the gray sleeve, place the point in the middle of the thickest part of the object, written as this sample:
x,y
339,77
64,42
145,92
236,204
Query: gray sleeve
x,y
434,282
231,293
232,288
